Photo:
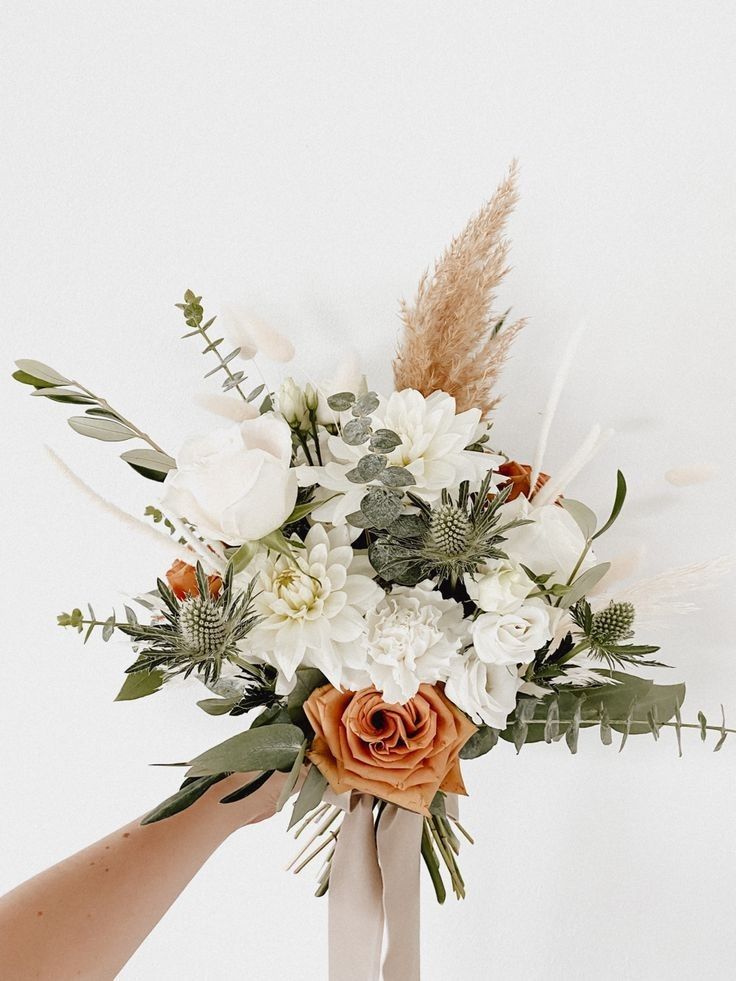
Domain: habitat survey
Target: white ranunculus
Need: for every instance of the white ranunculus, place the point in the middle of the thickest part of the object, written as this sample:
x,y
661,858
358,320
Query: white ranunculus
x,y
312,609
253,336
413,635
512,638
486,692
498,586
433,445
551,543
235,484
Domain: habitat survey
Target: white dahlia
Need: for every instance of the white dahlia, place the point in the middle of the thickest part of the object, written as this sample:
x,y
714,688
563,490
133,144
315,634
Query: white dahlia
x,y
433,445
414,634
312,608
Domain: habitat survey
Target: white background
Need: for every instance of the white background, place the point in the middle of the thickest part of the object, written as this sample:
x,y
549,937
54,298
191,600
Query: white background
x,y
310,159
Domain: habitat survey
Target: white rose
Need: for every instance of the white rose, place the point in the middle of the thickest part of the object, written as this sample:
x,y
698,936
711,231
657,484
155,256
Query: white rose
x,y
512,638
413,635
486,692
499,587
551,543
235,484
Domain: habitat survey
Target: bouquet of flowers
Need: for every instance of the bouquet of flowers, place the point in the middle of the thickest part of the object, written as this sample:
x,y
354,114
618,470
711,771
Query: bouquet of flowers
x,y
371,583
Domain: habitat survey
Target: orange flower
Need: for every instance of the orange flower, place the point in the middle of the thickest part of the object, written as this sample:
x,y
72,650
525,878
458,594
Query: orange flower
x,y
400,753
519,475
182,578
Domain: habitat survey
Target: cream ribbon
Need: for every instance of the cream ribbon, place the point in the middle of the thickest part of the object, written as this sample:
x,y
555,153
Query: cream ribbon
x,y
374,888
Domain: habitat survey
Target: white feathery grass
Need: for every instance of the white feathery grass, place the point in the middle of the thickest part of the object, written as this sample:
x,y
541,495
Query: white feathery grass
x,y
226,406
163,540
553,400
660,597
558,483
210,554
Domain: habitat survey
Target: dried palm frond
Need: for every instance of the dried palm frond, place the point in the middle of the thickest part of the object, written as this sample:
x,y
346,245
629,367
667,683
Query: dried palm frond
x,y
452,339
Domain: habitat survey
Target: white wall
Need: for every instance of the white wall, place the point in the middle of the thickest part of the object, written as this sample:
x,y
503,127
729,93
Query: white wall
x,y
311,159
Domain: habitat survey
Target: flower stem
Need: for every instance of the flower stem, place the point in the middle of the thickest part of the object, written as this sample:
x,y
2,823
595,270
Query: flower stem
x,y
104,404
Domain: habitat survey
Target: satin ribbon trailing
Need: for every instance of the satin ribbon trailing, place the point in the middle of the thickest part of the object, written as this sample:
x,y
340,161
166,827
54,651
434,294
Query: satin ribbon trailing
x,y
374,886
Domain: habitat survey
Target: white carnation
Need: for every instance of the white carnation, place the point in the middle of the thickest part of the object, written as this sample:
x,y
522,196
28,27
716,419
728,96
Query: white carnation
x,y
413,635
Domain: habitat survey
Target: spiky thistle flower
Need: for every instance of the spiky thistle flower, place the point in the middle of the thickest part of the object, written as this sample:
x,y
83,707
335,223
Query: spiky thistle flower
x,y
444,541
602,635
196,633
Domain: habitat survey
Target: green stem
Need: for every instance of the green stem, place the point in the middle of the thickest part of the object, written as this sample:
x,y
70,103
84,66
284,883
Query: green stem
x,y
226,367
587,723
104,404
576,568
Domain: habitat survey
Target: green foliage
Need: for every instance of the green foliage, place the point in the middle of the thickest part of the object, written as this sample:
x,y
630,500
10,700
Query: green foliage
x,y
190,792
140,684
309,797
100,420
602,633
444,541
307,680
272,747
194,318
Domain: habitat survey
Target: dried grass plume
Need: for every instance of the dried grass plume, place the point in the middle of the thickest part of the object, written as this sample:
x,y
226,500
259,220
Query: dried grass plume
x,y
452,339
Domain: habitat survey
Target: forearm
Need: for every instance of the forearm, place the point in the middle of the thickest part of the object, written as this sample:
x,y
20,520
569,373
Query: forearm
x,y
85,917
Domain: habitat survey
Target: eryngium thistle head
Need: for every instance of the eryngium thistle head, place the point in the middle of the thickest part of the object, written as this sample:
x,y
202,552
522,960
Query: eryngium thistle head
x,y
449,529
203,627
613,624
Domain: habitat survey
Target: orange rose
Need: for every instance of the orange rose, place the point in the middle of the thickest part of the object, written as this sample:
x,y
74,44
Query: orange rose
x,y
519,475
400,753
182,578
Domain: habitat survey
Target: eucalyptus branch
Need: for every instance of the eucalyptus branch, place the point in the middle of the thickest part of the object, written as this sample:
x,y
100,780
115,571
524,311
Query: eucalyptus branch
x,y
194,315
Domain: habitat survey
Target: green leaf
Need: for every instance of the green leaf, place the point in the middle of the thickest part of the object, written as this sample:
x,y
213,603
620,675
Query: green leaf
x,y
381,506
242,556
356,432
183,798
139,684
384,440
397,477
302,510
292,778
366,404
583,584
618,503
341,401
41,373
108,430
250,788
26,379
272,747
584,518
218,706
307,681
310,796
480,743
271,715
277,542
67,396
149,463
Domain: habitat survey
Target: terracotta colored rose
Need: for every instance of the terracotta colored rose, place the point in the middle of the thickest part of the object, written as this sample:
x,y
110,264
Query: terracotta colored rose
x,y
182,578
519,475
400,753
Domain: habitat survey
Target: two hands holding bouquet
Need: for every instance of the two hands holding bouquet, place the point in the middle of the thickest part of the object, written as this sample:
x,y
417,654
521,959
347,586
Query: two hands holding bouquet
x,y
379,590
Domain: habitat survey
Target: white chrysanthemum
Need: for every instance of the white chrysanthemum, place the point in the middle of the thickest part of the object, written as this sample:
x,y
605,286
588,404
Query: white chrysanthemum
x,y
433,449
486,692
312,608
413,635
